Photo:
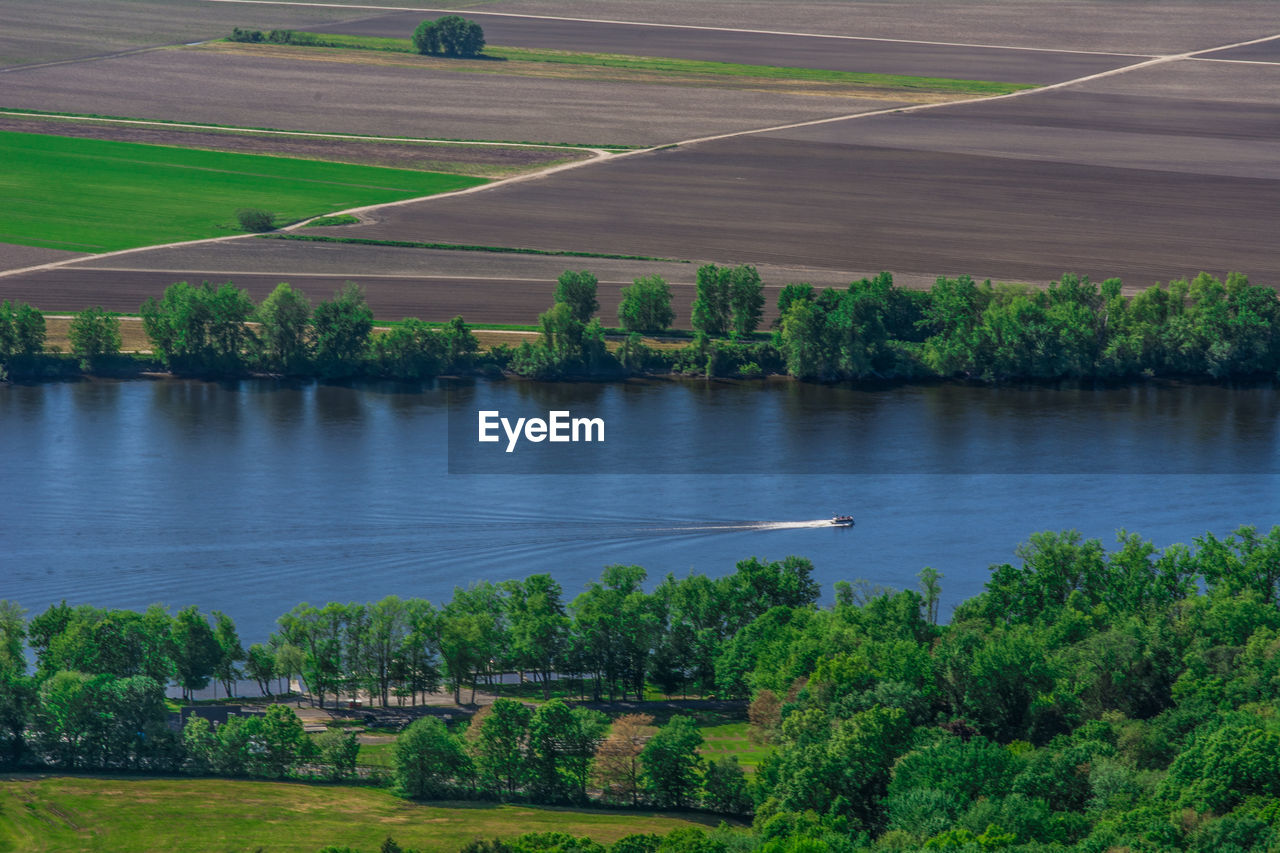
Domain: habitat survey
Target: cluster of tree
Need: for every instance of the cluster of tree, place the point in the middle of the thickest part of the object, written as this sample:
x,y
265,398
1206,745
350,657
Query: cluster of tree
x,y
558,754
21,336
217,330
451,35
239,34
1088,699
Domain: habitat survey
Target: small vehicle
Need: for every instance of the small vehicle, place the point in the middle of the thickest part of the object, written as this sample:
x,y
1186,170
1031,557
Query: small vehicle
x,y
842,521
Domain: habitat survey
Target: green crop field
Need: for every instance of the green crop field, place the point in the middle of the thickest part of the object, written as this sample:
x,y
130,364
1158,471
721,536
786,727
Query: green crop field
x,y
93,195
61,813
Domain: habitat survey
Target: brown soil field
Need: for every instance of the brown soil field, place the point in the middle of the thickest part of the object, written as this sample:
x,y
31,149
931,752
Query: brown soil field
x,y
846,206
496,301
396,101
1267,51
480,160
287,258
13,256
968,63
1126,26
42,31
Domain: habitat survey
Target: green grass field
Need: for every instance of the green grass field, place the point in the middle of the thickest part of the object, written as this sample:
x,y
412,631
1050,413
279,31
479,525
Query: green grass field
x,y
59,813
93,195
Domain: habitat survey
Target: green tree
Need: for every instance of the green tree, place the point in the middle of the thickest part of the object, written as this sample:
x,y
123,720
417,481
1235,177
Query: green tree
x,y
199,329
285,331
94,335
746,299
538,625
578,291
451,35
460,345
501,748
712,306
430,761
426,37
339,751
562,742
260,665
230,652
932,591
726,787
672,774
646,305
196,650
343,327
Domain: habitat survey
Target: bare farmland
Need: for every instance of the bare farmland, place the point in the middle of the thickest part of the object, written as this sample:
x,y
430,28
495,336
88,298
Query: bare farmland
x,y
968,63
42,31
16,257
326,96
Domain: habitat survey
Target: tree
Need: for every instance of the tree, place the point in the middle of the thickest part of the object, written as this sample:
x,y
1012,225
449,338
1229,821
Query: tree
x,y
617,765
342,329
711,305
196,650
646,305
430,761
578,291
451,35
672,774
726,787
230,652
932,591
285,333
539,626
260,665
746,298
562,742
339,751
94,335
501,747
200,329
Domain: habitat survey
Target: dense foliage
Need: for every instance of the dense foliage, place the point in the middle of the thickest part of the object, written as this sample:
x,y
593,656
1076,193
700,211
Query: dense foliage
x,y
1089,699
871,330
451,35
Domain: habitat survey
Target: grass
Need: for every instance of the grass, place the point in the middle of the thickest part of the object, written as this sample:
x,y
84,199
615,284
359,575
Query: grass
x,y
461,247
679,67
342,219
55,813
729,739
96,195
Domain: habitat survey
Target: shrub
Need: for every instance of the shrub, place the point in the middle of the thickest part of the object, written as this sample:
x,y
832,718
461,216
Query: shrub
x,y
254,220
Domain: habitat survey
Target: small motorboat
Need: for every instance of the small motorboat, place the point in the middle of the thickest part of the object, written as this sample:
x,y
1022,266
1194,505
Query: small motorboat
x,y
842,521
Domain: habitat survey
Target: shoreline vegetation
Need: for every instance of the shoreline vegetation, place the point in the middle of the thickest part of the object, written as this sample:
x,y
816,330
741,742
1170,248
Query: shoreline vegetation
x,y
1088,699
871,332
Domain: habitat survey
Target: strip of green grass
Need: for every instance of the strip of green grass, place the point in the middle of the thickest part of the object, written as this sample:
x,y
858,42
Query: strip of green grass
x,y
57,813
96,195
460,247
231,128
663,65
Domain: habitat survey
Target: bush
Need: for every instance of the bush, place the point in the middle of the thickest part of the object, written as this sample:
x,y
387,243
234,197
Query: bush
x,y
254,220
451,35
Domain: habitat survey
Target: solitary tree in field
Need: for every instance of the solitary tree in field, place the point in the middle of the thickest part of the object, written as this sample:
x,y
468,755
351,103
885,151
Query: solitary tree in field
x,y
451,35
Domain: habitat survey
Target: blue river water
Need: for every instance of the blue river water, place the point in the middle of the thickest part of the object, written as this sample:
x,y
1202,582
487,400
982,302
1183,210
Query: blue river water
x,y
250,497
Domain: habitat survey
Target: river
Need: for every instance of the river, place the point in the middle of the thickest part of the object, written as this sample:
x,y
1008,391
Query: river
x,y
252,496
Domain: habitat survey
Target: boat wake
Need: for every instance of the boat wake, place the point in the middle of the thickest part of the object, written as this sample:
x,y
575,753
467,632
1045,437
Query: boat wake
x,y
757,525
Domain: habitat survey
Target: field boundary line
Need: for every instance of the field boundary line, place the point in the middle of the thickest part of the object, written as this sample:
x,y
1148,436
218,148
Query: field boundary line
x,y
1235,61
703,28
602,151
